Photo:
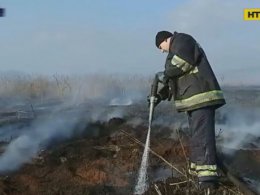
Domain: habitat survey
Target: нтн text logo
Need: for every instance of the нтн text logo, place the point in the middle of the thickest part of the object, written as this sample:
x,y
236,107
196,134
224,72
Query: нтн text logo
x,y
252,14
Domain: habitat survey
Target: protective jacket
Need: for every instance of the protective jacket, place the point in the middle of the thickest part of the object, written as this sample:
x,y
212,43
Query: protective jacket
x,y
191,79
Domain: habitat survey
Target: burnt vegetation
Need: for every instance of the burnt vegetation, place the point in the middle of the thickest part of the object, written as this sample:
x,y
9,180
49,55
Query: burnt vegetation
x,y
87,135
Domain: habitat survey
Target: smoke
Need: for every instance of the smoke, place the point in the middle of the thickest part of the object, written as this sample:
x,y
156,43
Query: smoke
x,y
240,128
47,130
65,102
77,102
106,113
258,188
121,101
136,121
111,89
41,133
161,174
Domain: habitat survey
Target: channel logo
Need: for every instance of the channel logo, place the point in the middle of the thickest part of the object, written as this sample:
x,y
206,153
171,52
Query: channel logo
x,y
2,12
252,14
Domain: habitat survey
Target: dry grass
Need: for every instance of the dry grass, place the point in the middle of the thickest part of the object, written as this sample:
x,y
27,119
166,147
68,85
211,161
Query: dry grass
x,y
75,87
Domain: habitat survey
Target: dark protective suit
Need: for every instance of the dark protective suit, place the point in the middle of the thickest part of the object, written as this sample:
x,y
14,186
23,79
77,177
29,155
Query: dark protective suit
x,y
196,91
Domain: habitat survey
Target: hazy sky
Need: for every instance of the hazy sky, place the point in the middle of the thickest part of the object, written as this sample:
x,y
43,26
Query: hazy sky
x,y
83,36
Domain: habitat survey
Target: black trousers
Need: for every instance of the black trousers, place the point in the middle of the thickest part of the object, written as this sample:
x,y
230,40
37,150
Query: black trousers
x,y
202,140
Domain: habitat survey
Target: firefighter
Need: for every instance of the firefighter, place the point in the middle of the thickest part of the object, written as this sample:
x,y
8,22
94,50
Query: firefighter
x,y
189,79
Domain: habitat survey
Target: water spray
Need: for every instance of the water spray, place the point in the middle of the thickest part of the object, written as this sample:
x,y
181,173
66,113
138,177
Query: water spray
x,y
141,186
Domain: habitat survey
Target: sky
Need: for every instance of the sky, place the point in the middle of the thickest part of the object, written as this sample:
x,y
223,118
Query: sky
x,y
87,36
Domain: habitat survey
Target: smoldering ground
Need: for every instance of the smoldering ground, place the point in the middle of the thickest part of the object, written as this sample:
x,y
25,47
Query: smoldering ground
x,y
241,128
81,101
26,145
85,99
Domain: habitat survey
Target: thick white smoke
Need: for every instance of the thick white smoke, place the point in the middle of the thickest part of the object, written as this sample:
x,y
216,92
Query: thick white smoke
x,y
85,99
26,145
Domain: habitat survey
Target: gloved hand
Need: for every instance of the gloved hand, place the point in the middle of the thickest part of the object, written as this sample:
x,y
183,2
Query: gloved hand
x,y
162,78
157,100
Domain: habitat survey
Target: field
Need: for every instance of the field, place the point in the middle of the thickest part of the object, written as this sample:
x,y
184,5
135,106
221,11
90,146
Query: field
x,y
83,135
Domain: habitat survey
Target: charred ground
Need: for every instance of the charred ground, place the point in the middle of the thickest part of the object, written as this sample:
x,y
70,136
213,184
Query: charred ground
x,y
106,163
101,150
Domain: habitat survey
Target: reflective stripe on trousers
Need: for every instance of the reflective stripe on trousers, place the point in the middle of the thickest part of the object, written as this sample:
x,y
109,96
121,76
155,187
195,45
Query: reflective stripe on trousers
x,y
206,170
203,170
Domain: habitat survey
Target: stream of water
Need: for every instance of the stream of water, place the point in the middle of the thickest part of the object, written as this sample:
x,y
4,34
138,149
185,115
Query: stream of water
x,y
142,184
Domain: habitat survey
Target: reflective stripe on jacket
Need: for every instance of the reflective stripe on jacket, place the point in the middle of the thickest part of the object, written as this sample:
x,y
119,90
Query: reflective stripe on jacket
x,y
192,80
